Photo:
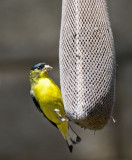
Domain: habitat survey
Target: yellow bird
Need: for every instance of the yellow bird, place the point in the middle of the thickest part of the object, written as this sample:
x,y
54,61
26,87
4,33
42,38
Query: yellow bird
x,y
48,99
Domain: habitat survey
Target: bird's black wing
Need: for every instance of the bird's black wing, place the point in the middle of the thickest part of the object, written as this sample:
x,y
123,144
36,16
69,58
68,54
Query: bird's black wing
x,y
36,103
39,108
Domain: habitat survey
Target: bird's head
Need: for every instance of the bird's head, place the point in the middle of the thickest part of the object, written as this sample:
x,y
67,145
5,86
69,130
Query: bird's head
x,y
40,70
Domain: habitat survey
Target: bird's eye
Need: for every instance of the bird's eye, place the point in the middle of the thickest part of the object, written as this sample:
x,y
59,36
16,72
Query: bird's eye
x,y
40,67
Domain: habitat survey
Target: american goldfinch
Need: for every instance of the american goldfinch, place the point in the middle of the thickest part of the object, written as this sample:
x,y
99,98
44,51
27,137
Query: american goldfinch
x,y
48,100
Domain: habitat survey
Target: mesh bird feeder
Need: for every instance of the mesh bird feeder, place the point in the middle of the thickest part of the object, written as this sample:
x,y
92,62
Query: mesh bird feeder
x,y
87,62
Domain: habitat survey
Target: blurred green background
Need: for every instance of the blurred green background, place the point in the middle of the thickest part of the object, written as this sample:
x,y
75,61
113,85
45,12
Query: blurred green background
x,y
29,33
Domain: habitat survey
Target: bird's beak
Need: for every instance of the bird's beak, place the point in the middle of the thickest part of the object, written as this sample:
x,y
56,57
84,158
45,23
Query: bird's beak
x,y
48,68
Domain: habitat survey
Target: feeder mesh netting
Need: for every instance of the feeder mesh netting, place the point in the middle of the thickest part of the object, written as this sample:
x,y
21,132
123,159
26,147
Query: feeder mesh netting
x,y
87,62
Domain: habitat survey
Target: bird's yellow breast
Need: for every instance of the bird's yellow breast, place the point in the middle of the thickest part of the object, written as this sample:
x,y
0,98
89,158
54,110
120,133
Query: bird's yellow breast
x,y
49,97
46,91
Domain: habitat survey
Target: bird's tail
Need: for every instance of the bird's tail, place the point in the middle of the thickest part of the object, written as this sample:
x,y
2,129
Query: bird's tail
x,y
72,138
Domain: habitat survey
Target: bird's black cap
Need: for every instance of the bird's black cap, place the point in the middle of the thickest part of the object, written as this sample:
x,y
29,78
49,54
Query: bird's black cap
x,y
38,66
